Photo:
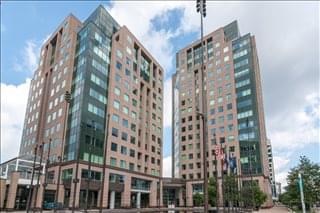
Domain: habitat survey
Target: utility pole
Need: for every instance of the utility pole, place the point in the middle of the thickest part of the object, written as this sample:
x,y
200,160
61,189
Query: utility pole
x,y
301,193
201,7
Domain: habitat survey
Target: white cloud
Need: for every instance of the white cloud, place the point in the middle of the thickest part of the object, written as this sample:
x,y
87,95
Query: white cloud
x,y
137,16
281,168
281,177
280,163
167,166
13,106
291,131
28,60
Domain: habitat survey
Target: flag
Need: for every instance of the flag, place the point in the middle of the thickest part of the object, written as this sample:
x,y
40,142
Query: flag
x,y
233,164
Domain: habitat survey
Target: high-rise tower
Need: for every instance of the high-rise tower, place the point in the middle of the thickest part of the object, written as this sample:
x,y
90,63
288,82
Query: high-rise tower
x,y
234,111
110,131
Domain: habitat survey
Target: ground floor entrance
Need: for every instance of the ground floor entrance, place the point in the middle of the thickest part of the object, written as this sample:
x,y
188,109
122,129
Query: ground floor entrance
x,y
140,199
92,199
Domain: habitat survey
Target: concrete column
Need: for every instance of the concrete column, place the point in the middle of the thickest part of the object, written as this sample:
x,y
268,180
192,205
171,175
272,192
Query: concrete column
x,y
161,193
181,201
78,189
189,195
138,200
40,192
2,192
153,194
105,190
61,194
112,199
126,194
12,190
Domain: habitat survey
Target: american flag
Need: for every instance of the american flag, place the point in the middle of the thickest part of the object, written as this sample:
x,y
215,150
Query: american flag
x,y
219,153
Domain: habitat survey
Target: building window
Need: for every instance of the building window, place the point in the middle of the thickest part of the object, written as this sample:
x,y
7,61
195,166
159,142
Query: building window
x,y
245,114
114,147
116,104
115,118
117,91
124,136
132,153
125,123
123,150
243,83
244,93
123,164
115,132
131,166
126,97
113,161
125,110
119,65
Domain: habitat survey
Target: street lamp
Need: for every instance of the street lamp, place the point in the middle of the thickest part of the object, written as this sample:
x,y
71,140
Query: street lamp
x,y
250,165
93,126
32,177
45,175
67,98
104,162
201,8
38,178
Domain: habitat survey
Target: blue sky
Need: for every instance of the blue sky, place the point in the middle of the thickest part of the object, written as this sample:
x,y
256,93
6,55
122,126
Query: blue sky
x,y
288,60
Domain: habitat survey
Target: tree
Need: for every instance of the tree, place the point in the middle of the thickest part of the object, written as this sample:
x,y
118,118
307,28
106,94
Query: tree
x,y
197,199
230,189
259,196
310,173
212,191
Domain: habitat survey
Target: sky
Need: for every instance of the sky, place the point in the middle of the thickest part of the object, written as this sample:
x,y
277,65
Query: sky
x,y
287,36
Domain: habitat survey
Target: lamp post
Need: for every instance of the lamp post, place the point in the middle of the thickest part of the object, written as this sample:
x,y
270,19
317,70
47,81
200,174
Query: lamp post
x,y
89,163
45,175
216,168
67,98
39,173
104,162
201,8
250,165
32,177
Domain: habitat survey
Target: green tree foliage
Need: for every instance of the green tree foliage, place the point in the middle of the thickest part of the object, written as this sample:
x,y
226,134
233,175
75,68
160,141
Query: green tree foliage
x,y
231,195
310,173
198,199
259,196
212,191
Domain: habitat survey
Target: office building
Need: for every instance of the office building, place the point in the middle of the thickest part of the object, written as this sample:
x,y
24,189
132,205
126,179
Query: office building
x,y
109,129
234,112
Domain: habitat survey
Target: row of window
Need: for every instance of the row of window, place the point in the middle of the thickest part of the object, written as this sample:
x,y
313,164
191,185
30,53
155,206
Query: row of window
x,y
131,166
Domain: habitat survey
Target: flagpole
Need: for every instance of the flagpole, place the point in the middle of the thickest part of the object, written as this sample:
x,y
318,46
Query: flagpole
x,y
222,187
